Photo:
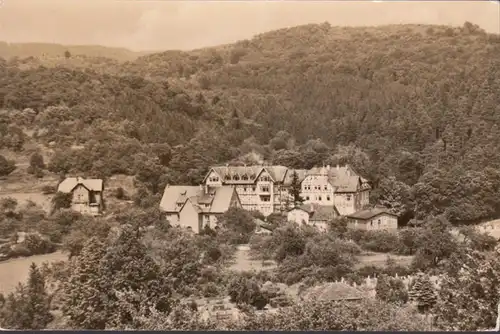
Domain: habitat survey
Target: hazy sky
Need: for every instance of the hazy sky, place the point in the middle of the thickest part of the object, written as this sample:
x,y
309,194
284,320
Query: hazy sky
x,y
188,24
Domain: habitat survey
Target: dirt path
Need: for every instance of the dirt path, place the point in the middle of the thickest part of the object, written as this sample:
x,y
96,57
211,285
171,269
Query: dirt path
x,y
16,270
244,262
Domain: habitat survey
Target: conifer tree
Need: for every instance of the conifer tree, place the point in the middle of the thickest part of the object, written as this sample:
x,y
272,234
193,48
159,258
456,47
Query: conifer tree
x,y
29,306
295,188
84,301
423,293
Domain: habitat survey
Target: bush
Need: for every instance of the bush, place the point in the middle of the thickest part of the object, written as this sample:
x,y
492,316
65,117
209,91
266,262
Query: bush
x,y
49,190
120,194
6,166
380,241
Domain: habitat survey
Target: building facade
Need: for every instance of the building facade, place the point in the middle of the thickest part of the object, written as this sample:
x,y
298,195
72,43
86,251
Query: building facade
x,y
336,186
313,215
267,188
86,194
260,188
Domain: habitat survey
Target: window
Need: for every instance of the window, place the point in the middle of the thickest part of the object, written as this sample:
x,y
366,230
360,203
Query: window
x,y
253,188
264,189
326,187
307,198
236,177
379,222
348,197
328,197
319,198
207,217
244,188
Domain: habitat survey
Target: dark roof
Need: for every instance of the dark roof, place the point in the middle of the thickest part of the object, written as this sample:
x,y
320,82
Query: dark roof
x,y
370,213
334,291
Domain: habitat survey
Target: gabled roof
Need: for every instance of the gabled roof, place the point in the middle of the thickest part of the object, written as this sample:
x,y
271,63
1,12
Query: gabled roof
x,y
318,212
334,291
70,183
344,178
216,200
222,199
301,173
370,213
176,194
247,174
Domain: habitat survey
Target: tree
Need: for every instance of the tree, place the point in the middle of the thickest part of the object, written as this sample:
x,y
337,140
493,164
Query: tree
x,y
423,293
468,298
6,166
245,290
36,161
29,306
61,201
138,283
67,54
84,299
391,290
295,188
237,226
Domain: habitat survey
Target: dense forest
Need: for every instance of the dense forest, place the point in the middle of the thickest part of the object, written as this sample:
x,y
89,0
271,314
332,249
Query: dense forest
x,y
413,108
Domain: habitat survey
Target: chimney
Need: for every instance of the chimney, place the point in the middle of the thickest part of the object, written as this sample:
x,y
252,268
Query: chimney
x,y
338,167
201,187
206,188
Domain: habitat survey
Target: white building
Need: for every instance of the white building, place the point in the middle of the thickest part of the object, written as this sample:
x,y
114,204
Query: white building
x,y
336,186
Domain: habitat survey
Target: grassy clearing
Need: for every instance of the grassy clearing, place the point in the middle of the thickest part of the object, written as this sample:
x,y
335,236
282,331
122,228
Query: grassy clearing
x,y
16,270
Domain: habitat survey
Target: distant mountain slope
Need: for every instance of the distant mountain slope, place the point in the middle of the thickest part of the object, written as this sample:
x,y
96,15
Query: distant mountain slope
x,y
22,50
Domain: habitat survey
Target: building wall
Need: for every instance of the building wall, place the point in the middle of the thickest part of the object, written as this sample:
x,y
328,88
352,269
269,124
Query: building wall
x,y
172,218
298,216
80,195
347,203
316,189
213,180
380,222
189,217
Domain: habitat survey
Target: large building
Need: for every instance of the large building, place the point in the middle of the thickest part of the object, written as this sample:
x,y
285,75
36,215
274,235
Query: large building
x,y
260,188
267,188
336,186
195,207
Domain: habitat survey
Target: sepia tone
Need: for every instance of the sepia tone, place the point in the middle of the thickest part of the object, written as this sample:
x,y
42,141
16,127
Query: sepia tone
x,y
249,165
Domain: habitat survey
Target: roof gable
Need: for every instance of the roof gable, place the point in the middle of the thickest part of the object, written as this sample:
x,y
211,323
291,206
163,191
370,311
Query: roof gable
x,y
68,184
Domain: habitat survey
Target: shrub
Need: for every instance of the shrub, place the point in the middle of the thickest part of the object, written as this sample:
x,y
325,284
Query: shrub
x,y
120,193
48,190
380,241
6,166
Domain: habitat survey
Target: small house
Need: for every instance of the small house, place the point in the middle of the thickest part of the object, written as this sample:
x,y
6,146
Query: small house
x,y
313,215
195,207
373,219
86,194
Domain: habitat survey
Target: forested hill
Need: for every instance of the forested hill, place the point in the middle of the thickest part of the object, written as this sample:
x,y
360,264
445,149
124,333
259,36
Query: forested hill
x,y
416,109
49,50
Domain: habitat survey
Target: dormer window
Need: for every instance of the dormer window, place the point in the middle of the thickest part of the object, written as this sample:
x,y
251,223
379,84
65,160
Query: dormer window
x,y
227,177
236,177
244,177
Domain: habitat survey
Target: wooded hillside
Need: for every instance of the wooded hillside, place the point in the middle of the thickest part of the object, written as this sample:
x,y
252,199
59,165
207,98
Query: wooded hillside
x,y
415,109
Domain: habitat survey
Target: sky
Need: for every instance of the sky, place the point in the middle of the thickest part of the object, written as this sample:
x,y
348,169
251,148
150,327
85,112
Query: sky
x,y
147,25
